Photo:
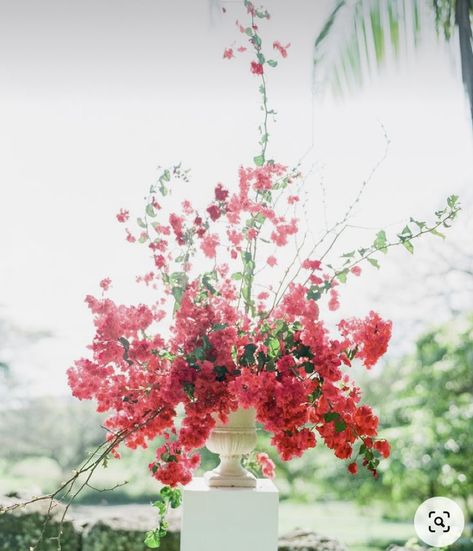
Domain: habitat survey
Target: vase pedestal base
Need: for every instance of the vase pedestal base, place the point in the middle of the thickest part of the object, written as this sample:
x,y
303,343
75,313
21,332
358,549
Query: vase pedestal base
x,y
229,518
230,473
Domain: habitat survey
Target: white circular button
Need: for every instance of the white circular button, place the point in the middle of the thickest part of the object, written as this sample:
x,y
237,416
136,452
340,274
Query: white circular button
x,y
439,521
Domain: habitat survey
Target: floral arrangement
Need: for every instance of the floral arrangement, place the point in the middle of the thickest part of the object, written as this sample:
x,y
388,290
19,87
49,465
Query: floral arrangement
x,y
223,338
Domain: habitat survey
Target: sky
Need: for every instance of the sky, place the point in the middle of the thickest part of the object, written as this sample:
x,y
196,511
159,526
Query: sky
x,y
94,95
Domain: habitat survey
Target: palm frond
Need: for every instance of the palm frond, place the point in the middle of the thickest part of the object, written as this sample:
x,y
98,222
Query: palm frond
x,y
359,35
463,15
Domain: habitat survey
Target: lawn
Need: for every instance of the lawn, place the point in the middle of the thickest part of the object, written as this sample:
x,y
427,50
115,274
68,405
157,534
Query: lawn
x,y
359,530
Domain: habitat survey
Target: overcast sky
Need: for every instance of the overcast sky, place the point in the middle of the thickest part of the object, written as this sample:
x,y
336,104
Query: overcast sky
x,y
95,94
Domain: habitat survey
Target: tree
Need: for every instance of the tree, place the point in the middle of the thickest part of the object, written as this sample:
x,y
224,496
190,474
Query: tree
x,y
371,27
428,406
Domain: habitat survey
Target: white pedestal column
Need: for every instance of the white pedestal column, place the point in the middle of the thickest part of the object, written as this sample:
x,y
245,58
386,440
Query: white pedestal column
x,y
230,519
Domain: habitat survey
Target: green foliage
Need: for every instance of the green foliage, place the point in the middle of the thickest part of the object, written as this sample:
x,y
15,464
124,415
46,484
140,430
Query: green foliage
x,y
23,531
345,56
381,244
431,416
368,27
168,498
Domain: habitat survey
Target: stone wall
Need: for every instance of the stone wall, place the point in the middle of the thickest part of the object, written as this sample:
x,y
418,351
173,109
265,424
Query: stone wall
x,y
120,528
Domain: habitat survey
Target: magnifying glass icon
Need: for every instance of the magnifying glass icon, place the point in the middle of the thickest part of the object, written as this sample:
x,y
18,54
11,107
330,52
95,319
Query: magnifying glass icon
x,y
438,521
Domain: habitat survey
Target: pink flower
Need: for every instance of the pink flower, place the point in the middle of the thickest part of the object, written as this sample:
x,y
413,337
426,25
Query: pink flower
x,y
256,68
214,212
105,283
370,336
187,207
129,237
123,216
283,231
177,224
228,53
252,233
235,237
209,245
311,264
267,465
280,48
356,270
242,49
271,261
333,303
221,193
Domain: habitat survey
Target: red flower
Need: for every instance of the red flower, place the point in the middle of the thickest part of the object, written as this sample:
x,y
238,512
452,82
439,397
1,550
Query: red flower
x,y
228,53
371,336
214,212
256,68
123,216
353,468
280,48
267,465
221,193
383,447
105,283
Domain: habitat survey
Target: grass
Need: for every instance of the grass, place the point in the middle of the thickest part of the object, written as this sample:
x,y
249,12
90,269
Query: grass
x,y
359,530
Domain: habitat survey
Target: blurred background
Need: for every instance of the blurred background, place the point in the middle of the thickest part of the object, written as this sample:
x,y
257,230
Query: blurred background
x,y
94,95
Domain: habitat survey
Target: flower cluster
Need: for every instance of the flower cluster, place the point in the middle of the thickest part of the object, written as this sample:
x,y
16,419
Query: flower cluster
x,y
225,347
229,343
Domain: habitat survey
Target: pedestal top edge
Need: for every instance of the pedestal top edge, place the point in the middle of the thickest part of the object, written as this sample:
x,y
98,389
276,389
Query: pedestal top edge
x,y
263,485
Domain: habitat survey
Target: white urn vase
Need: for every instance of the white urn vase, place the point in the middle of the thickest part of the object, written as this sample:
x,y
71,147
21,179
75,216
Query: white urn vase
x,y
230,441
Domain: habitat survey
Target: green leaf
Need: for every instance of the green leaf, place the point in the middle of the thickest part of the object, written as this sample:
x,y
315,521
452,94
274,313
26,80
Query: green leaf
x,y
309,367
331,416
380,241
177,293
408,246
259,160
452,201
342,276
249,31
126,345
219,326
237,276
150,211
261,58
340,425
261,359
206,282
141,222
420,225
143,238
272,63
314,293
220,372
189,389
406,231
437,233
152,539
248,357
256,40
373,262
273,347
